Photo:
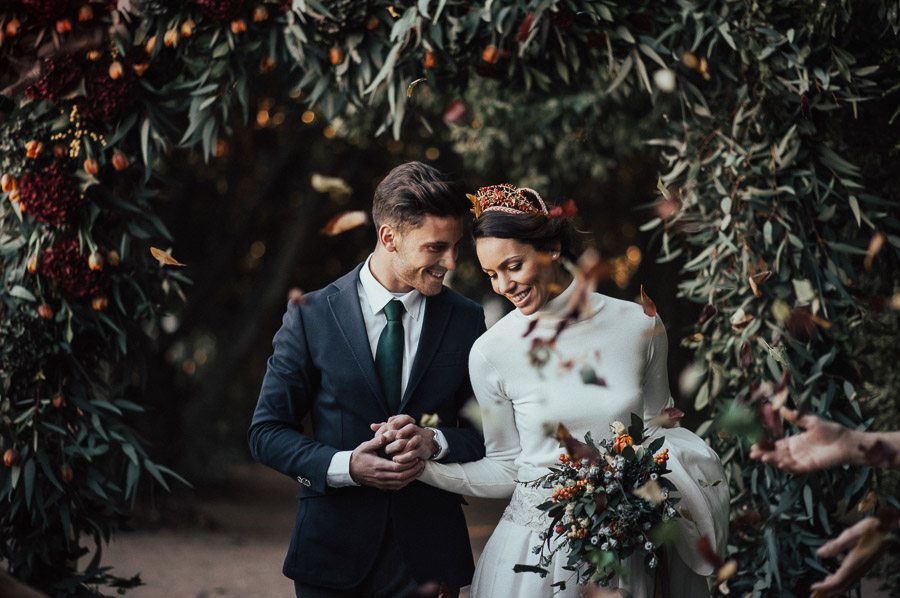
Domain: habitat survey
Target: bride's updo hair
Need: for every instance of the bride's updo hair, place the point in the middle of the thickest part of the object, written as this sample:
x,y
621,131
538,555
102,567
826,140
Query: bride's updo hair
x,y
539,230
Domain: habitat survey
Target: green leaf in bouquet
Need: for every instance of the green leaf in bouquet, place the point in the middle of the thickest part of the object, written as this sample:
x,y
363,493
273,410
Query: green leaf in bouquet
x,y
656,445
628,453
636,429
530,569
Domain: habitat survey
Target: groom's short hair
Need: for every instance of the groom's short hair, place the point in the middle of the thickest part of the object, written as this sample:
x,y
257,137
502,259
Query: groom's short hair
x,y
413,190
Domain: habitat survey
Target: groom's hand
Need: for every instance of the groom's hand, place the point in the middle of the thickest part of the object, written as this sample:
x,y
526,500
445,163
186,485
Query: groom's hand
x,y
406,442
368,469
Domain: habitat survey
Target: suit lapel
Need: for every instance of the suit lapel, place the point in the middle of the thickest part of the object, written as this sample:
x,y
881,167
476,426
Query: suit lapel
x,y
347,314
437,315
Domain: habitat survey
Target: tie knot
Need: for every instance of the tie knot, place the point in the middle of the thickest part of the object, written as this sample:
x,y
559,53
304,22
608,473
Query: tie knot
x,y
393,310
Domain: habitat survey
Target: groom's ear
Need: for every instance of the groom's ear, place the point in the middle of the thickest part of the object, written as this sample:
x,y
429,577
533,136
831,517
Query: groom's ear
x,y
387,237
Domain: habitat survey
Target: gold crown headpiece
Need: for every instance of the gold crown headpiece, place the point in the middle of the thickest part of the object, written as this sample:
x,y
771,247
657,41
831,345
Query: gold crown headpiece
x,y
506,198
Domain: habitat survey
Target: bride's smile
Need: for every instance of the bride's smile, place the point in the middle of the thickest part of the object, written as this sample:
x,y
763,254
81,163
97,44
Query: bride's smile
x,y
526,276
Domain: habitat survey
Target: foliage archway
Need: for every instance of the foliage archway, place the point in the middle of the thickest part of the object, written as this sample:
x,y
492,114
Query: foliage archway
x,y
784,214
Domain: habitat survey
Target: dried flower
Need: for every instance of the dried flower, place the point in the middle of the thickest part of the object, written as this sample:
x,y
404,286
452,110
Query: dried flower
x,y
50,195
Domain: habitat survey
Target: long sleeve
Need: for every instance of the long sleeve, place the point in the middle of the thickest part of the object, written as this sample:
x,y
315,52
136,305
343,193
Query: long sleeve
x,y
695,468
494,476
276,434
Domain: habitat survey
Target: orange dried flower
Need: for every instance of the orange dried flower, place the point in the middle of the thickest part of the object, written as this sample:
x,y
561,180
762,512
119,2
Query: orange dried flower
x,y
621,441
260,14
119,161
491,54
99,303
85,14
34,148
63,26
8,183
91,167
336,55
115,70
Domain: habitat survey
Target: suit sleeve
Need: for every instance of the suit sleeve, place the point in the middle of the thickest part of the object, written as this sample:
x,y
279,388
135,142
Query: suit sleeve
x,y
494,476
276,433
464,441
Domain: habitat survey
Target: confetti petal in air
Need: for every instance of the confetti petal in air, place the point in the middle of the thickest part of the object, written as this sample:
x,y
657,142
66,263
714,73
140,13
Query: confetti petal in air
x,y
164,257
875,245
334,186
345,221
647,304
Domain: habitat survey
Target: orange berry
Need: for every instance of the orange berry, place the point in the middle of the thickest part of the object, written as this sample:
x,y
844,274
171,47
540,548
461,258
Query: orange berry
x,y
373,23
150,45
63,26
85,13
12,27
238,26
45,311
187,28
113,259
115,70
95,262
91,167
119,161
32,264
11,457
336,55
99,303
94,55
430,60
170,39
260,14
66,473
491,54
8,183
140,68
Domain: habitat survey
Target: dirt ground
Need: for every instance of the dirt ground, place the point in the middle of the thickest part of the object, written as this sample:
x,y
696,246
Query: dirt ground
x,y
237,539
237,543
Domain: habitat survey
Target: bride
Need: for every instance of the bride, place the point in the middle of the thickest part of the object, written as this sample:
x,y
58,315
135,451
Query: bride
x,y
520,392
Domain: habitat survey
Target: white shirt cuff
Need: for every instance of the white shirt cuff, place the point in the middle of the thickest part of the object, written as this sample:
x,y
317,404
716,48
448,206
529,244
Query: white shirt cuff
x,y
441,441
338,475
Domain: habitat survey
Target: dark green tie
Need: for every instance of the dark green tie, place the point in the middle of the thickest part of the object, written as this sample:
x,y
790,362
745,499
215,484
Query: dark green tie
x,y
389,354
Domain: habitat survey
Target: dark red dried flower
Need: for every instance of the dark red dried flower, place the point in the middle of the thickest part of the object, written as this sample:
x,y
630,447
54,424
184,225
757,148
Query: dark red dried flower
x,y
107,98
57,76
67,265
50,195
562,19
47,10
221,10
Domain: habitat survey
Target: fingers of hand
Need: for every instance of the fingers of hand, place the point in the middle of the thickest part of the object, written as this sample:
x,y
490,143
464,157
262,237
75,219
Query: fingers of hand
x,y
396,447
396,422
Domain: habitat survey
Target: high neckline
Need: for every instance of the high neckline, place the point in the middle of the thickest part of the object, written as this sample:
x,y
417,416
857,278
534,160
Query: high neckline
x,y
558,307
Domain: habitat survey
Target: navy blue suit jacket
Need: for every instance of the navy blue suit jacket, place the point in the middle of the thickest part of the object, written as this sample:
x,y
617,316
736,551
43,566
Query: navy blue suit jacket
x,y
322,365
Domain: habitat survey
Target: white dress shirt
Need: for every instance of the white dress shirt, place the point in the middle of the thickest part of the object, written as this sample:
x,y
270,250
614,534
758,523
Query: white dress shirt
x,y
372,299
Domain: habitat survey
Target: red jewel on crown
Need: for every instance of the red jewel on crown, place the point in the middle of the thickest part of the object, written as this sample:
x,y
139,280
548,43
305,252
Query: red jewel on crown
x,y
506,198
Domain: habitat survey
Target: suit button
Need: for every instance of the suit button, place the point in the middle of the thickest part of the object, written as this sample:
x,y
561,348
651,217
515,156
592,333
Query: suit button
x,y
304,481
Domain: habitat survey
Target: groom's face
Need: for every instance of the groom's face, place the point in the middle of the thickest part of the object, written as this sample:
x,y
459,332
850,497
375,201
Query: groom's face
x,y
422,255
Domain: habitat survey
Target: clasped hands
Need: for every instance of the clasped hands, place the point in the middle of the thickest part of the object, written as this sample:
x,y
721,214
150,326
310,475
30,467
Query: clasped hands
x,y
406,446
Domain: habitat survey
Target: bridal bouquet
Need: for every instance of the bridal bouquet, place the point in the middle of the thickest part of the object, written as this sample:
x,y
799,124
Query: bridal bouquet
x,y
608,498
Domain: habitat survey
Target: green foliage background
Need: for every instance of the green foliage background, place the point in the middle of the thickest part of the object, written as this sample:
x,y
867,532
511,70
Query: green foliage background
x,y
774,125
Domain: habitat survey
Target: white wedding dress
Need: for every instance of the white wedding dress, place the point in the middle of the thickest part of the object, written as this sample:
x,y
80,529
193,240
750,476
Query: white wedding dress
x,y
627,351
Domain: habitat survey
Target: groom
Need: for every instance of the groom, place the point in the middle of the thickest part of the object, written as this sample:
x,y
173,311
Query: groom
x,y
385,339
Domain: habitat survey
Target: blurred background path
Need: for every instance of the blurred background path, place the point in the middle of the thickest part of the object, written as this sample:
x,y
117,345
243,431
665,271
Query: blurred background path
x,y
235,541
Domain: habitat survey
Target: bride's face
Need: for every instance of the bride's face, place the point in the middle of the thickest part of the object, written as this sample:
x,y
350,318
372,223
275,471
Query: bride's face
x,y
519,272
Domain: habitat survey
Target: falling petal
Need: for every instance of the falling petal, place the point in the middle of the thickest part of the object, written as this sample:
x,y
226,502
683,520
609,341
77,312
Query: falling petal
x,y
667,418
800,324
455,112
726,571
740,320
472,412
868,502
164,257
704,547
709,310
875,245
758,279
746,355
334,186
647,304
879,454
345,221
429,420
771,419
296,296
651,492
686,513
531,326
476,205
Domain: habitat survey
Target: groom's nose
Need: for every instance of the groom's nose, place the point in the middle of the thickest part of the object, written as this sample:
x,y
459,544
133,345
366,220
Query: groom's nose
x,y
448,260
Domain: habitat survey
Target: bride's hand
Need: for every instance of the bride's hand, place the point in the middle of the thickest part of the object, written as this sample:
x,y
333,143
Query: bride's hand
x,y
405,441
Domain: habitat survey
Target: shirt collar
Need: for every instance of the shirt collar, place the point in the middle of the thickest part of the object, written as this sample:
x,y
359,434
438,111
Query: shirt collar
x,y
378,296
